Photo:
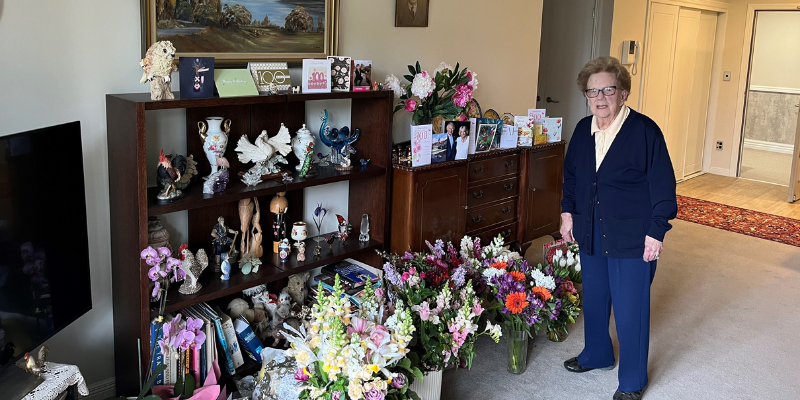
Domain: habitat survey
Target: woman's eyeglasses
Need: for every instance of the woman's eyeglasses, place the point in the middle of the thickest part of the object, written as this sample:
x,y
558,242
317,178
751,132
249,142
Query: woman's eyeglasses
x,y
607,91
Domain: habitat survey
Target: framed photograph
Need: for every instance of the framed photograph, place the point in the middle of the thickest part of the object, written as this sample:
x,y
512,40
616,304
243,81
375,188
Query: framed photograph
x,y
316,76
439,148
411,13
458,139
341,73
240,31
362,75
265,73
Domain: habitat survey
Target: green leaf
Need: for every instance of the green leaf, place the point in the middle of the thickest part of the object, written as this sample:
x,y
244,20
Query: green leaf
x,y
188,386
412,395
419,70
414,358
178,389
404,363
412,70
409,78
149,384
399,107
418,374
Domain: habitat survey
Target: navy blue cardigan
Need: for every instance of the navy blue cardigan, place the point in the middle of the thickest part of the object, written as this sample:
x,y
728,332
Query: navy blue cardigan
x,y
633,190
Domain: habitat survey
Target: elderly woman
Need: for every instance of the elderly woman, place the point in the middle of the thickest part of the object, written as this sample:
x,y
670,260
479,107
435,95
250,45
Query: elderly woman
x,y
619,195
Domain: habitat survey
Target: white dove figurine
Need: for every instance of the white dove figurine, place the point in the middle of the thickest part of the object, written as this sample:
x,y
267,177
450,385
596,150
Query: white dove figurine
x,y
265,147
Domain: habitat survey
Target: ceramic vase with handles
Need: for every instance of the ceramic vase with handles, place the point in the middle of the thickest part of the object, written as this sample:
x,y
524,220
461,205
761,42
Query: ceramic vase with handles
x,y
299,231
214,133
302,144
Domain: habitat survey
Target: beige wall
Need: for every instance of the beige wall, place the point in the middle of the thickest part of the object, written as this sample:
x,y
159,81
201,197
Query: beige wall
x,y
629,24
776,55
504,53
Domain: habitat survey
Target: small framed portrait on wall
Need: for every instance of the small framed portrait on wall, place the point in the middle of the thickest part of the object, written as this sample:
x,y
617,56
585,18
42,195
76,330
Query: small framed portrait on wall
x,y
411,13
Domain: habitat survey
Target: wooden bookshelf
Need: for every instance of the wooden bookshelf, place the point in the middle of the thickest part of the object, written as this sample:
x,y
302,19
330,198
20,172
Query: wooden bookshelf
x,y
132,202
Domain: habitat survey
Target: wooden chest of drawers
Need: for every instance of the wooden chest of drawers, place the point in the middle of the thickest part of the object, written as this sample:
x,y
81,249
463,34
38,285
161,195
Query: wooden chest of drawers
x,y
515,193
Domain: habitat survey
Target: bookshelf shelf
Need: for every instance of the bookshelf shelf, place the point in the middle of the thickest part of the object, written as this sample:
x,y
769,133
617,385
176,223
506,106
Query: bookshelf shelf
x,y
132,202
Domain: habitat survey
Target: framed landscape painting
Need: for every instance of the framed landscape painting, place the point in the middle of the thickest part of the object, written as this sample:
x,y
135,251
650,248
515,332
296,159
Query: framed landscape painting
x,y
243,30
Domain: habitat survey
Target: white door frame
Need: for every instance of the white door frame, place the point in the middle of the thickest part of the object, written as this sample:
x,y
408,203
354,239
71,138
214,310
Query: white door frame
x,y
744,76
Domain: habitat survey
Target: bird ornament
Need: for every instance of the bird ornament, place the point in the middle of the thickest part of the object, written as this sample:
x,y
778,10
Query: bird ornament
x,y
265,151
158,67
193,265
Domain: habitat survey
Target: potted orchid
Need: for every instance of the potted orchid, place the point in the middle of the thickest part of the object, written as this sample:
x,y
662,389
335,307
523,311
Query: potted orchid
x,y
445,92
354,354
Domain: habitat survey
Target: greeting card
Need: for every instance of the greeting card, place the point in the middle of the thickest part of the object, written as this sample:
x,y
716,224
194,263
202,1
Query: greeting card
x,y
552,128
524,126
234,82
362,75
509,138
266,73
197,77
316,76
341,73
421,141
537,114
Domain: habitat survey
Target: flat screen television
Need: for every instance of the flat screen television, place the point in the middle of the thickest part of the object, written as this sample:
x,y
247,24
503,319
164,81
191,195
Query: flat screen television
x,y
44,246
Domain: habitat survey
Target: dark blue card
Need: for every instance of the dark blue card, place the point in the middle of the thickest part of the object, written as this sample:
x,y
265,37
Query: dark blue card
x,y
197,77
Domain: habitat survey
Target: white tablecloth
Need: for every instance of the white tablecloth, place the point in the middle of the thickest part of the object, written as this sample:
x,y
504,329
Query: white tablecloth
x,y
57,378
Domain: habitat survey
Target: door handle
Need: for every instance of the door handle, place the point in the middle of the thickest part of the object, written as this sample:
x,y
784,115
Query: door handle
x,y
477,219
508,187
538,98
550,100
506,210
478,170
477,195
797,105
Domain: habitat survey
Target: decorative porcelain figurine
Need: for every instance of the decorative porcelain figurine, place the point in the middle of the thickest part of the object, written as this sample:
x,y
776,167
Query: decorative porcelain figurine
x,y
301,251
265,152
339,140
344,228
158,68
222,243
344,165
278,207
299,231
364,163
302,144
284,250
193,265
225,269
214,133
364,236
174,173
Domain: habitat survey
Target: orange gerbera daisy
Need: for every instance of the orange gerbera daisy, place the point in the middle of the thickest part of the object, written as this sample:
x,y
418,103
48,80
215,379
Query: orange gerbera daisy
x,y
518,276
500,265
516,302
542,293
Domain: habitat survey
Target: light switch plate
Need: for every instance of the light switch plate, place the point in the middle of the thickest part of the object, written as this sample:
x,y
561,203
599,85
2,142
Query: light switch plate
x,y
726,76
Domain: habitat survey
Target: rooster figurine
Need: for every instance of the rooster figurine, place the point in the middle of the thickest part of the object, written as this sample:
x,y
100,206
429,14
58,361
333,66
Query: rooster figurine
x,y
158,68
193,265
265,151
170,173
187,175
33,365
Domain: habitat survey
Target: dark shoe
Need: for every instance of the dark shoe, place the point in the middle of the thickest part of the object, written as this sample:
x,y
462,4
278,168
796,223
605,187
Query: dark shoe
x,y
637,395
572,366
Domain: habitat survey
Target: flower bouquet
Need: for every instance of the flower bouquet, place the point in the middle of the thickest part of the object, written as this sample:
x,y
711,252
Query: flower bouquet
x,y
445,305
566,270
444,93
346,355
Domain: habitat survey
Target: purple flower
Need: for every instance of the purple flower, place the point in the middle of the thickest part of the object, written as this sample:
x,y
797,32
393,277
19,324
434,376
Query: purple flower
x,y
392,275
180,274
374,394
459,277
336,395
172,263
150,256
185,340
157,291
154,274
398,381
320,210
408,256
194,325
165,252
437,249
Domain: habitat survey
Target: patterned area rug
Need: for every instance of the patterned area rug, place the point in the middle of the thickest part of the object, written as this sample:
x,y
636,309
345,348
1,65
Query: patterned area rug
x,y
735,219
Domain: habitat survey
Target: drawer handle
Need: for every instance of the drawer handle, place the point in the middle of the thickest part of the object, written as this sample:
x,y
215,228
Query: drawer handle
x,y
509,163
477,195
506,210
507,233
477,219
508,187
478,170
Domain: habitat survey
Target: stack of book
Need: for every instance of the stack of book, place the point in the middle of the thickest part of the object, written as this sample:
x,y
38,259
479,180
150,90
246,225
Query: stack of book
x,y
353,277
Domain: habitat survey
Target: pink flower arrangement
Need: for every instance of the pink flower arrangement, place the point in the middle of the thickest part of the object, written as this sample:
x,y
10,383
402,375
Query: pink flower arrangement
x,y
462,96
444,93
411,105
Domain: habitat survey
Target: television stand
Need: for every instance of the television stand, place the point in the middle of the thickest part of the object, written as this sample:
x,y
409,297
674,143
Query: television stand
x,y
56,379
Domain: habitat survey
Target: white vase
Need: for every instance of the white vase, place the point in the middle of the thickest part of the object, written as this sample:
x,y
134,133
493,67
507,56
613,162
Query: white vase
x,y
431,386
302,144
215,139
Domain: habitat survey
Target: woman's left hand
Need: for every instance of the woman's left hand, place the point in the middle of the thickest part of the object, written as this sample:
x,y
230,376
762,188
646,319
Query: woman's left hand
x,y
652,248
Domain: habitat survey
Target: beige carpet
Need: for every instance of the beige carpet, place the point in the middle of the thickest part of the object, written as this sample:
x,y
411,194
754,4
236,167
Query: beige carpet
x,y
766,166
724,325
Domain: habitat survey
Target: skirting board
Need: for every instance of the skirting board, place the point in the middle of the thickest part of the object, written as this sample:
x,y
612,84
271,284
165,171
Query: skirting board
x,y
101,390
768,146
721,171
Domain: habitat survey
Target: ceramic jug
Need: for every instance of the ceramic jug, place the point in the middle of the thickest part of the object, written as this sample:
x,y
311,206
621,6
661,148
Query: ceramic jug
x,y
214,133
302,144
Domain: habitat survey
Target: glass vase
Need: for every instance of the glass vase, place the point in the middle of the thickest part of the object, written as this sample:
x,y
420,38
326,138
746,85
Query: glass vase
x,y
517,350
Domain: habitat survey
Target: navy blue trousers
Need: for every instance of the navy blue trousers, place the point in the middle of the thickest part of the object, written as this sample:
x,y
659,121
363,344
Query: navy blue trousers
x,y
625,282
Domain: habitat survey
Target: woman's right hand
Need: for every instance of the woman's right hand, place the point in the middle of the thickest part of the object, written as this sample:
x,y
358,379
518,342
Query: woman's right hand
x,y
566,227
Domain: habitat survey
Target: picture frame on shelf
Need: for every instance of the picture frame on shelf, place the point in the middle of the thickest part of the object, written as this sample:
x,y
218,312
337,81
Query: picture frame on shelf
x,y
308,29
267,73
362,75
411,13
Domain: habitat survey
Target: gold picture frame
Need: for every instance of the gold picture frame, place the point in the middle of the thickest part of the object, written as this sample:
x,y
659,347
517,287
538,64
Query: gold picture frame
x,y
183,30
404,17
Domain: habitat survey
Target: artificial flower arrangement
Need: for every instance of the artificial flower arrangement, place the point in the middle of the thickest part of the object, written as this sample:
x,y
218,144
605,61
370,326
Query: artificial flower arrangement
x,y
354,355
446,92
445,305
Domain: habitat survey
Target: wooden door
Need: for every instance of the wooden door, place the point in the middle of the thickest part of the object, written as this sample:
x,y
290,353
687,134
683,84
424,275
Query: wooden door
x,y
543,192
442,199
659,56
698,116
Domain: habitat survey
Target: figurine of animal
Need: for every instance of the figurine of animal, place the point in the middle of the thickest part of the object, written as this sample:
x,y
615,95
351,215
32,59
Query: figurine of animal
x,y
280,333
297,287
158,63
265,149
170,171
303,313
34,365
225,268
189,172
280,310
193,265
222,162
